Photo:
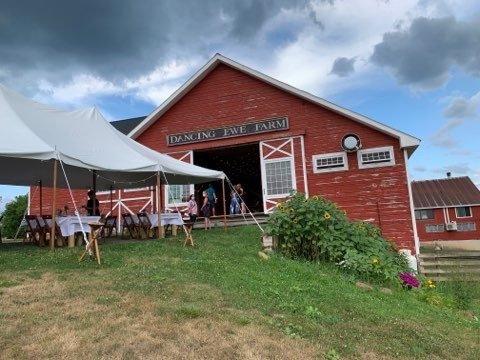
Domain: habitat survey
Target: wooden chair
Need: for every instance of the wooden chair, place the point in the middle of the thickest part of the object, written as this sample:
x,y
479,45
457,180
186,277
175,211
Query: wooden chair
x,y
34,229
109,226
144,223
45,222
131,225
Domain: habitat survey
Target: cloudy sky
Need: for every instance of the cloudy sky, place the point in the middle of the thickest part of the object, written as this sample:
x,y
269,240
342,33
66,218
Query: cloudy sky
x,y
412,64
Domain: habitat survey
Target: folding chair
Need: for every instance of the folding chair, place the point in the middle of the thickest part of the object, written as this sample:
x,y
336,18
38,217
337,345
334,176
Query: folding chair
x,y
46,223
109,226
34,228
132,227
144,223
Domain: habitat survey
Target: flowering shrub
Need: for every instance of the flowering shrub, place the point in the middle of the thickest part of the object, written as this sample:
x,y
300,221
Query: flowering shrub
x,y
409,280
316,229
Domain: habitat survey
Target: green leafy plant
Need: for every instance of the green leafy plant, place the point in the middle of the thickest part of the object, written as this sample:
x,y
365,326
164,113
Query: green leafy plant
x,y
316,229
12,216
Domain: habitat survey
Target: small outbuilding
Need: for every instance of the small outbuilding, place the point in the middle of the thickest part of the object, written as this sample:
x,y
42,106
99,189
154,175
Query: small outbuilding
x,y
447,209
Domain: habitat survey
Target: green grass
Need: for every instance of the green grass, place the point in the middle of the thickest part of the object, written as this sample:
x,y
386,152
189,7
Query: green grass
x,y
222,278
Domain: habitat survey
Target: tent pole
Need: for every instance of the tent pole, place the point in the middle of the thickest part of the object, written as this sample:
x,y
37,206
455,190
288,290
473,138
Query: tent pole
x,y
224,206
160,229
54,205
41,196
94,185
111,199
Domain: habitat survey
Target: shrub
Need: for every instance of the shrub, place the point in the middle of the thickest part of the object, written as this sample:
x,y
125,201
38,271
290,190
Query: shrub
x,y
12,216
316,229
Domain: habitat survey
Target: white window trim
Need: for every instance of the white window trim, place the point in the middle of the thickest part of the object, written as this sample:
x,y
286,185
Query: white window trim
x,y
145,188
107,192
292,171
375,165
328,169
463,217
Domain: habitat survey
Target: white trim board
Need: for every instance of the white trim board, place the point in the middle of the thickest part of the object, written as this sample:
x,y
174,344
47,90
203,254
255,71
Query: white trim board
x,y
407,141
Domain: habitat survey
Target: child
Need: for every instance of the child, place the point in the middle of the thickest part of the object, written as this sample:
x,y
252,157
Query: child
x,y
192,208
206,210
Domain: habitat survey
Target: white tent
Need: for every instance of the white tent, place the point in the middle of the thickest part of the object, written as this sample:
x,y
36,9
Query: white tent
x,y
33,136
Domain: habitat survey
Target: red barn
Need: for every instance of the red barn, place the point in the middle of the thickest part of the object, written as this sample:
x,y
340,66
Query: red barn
x,y
447,209
273,138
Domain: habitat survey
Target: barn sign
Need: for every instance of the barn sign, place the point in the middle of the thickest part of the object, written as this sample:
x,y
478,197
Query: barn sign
x,y
262,126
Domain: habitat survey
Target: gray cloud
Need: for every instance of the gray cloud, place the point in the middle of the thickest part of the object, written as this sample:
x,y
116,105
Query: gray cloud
x,y
443,136
118,39
343,66
423,54
455,169
420,168
462,107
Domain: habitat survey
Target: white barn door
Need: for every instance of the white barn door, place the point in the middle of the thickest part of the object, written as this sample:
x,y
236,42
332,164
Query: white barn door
x,y
277,164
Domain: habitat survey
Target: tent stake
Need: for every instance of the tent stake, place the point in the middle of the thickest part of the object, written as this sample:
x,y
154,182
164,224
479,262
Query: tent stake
x,y
54,206
224,207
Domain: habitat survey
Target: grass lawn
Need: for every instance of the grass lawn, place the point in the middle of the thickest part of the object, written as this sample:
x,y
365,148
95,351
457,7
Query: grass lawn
x,y
157,299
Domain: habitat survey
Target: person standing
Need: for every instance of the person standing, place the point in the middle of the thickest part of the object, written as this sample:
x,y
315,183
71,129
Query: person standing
x,y
192,208
212,198
206,210
234,203
241,197
92,210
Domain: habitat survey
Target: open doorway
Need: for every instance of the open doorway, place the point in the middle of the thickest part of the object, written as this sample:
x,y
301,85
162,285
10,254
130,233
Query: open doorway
x,y
242,166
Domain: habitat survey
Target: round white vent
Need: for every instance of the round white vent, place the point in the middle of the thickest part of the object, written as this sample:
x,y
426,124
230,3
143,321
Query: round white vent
x,y
351,142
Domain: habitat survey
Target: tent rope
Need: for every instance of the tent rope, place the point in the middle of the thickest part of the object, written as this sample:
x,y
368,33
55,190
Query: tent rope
x,y
77,214
248,209
126,182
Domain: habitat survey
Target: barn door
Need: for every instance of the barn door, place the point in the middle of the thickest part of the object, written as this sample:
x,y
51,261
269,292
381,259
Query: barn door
x,y
278,171
177,195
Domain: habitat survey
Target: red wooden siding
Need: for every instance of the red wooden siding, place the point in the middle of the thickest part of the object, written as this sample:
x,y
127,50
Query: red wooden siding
x,y
439,218
227,97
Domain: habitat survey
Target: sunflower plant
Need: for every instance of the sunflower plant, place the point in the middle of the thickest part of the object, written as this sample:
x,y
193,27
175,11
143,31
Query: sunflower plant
x,y
316,229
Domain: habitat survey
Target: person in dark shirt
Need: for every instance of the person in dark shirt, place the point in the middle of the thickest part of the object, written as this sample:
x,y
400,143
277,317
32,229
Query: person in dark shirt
x,y
89,206
212,198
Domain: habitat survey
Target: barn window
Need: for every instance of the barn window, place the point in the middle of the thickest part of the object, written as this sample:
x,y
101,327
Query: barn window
x,y
278,177
464,211
178,194
466,226
435,228
376,157
330,162
424,214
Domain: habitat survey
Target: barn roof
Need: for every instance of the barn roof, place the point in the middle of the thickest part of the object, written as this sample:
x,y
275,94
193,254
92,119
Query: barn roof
x,y
448,192
406,141
127,125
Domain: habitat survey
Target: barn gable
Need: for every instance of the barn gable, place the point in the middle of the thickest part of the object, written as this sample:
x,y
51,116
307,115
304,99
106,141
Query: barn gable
x,y
406,141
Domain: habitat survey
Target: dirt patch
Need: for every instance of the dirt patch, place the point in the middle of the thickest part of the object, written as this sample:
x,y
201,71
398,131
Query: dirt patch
x,y
43,318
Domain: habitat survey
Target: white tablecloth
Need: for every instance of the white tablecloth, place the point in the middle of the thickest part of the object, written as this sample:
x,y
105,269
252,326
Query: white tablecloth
x,y
166,219
69,225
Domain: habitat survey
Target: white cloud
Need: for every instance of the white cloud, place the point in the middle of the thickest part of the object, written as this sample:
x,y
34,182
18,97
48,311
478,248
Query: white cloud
x,y
153,87
347,32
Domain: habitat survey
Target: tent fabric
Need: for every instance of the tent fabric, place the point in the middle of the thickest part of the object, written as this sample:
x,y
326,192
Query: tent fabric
x,y
32,135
